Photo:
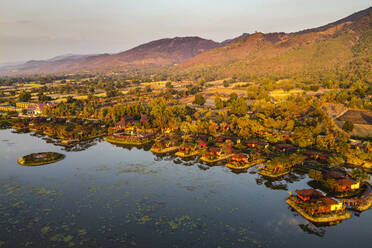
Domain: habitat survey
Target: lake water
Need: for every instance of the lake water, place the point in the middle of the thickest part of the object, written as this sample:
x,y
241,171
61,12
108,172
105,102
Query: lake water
x,y
110,196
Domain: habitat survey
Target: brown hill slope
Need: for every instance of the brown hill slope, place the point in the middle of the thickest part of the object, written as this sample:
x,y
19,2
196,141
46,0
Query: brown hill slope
x,y
157,53
319,49
347,42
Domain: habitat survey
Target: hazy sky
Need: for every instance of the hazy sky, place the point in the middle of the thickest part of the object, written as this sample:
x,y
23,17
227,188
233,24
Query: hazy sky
x,y
40,29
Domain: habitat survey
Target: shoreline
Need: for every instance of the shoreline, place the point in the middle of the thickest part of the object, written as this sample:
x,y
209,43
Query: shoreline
x,y
334,218
204,159
182,155
22,162
126,142
246,166
166,150
268,173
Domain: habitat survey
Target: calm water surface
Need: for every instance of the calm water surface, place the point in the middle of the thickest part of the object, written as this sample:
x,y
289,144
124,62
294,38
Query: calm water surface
x,y
110,196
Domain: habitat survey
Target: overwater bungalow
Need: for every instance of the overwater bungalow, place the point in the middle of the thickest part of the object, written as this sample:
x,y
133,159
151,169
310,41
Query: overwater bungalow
x,y
21,126
273,169
211,153
361,202
346,184
315,206
281,165
166,144
216,154
287,148
223,139
188,150
131,138
316,155
367,165
338,183
239,162
255,144
308,194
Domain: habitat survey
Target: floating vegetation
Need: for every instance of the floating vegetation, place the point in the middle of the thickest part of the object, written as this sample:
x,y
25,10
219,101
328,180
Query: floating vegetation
x,y
42,158
45,230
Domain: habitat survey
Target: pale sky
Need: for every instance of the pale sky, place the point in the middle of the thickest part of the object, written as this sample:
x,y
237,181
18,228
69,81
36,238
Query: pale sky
x,y
41,29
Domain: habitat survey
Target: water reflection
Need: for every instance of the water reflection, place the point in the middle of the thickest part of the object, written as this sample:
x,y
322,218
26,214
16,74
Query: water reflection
x,y
124,196
145,147
312,229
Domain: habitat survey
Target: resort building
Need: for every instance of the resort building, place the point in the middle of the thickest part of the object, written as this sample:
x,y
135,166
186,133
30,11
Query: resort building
x,y
287,148
340,182
23,105
7,108
37,109
256,144
314,202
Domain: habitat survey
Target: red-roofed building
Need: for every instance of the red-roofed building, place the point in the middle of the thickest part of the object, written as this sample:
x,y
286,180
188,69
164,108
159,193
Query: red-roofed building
x,y
346,184
288,148
38,108
308,194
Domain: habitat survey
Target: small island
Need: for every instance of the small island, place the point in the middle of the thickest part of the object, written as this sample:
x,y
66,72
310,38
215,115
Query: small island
x,y
281,165
166,145
187,150
215,154
241,162
336,183
41,158
132,138
316,207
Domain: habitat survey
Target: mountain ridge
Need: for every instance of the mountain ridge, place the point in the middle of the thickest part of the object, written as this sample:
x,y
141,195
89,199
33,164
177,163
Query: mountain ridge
x,y
163,52
315,49
319,49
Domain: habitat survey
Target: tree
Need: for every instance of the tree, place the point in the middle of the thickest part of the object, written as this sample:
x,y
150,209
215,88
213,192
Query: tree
x,y
233,96
199,99
314,87
43,98
348,126
218,103
302,137
239,106
70,99
148,88
336,161
24,96
248,128
111,92
360,175
316,175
